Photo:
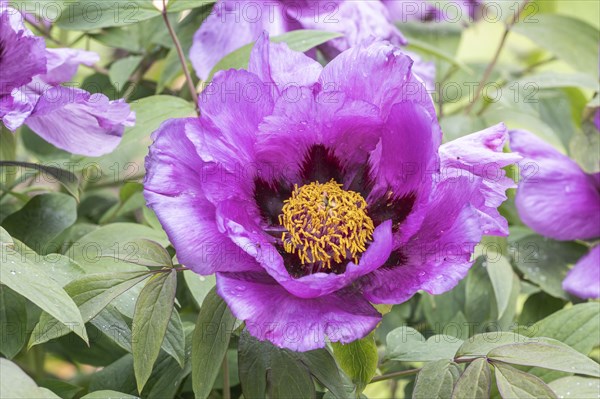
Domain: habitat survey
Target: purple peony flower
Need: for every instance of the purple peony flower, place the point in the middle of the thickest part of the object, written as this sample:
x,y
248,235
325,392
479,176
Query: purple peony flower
x,y
30,92
313,200
235,23
557,199
422,10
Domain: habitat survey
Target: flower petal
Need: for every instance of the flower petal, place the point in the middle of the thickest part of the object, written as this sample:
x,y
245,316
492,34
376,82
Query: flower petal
x,y
232,107
15,108
231,25
380,74
241,223
23,54
62,64
303,118
480,154
438,256
276,63
583,280
79,122
555,197
271,313
357,21
173,188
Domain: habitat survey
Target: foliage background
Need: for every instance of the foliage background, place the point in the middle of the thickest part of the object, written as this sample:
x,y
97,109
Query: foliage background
x,y
79,246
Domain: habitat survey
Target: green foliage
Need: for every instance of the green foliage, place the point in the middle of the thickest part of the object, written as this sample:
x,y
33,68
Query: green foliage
x,y
358,360
95,305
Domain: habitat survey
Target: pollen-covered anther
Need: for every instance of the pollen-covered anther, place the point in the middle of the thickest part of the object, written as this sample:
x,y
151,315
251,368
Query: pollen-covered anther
x,y
325,224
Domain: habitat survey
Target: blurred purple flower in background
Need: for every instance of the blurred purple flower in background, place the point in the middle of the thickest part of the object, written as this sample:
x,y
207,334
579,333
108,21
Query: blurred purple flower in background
x,y
425,11
312,203
557,199
31,93
234,23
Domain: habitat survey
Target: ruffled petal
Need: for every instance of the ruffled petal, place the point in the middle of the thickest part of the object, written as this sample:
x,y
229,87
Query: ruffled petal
x,y
241,223
438,256
357,21
173,188
407,153
271,313
15,108
461,209
23,54
78,122
276,63
232,107
378,73
62,64
349,128
555,197
480,154
583,280
231,25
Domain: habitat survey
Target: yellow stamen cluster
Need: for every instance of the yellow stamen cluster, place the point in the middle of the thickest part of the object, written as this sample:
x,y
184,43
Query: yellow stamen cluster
x,y
325,223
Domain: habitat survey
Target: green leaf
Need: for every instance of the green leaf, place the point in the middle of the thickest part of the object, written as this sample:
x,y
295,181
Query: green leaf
x,y
198,285
118,375
553,357
358,360
406,344
145,252
27,278
288,379
91,293
50,173
62,388
112,324
576,387
13,321
106,394
150,322
253,361
90,14
16,384
298,40
572,40
180,5
43,218
513,383
546,262
106,249
481,344
210,341
322,366
174,342
122,69
576,326
501,276
436,379
475,381
288,372
546,80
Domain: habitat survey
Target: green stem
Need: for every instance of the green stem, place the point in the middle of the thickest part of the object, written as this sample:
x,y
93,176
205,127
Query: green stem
x,y
226,389
492,64
396,374
182,60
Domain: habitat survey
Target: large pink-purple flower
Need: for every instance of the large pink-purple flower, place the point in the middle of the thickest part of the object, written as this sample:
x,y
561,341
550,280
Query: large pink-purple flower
x,y
235,23
557,199
314,191
31,93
